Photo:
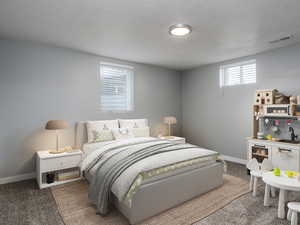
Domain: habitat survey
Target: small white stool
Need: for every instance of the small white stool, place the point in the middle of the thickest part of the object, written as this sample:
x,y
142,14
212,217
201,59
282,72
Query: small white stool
x,y
256,172
294,208
255,175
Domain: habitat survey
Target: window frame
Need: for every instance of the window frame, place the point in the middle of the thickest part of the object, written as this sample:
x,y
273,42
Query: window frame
x,y
240,64
130,87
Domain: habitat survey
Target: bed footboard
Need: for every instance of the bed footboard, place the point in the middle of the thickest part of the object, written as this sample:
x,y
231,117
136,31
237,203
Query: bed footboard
x,y
153,198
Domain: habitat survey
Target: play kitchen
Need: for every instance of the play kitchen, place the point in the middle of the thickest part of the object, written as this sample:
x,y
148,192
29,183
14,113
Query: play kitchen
x,y
275,125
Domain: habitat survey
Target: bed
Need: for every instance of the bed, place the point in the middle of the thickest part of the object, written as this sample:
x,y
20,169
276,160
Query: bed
x,y
157,176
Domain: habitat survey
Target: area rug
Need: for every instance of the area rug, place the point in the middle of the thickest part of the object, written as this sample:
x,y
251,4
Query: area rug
x,y
249,210
75,209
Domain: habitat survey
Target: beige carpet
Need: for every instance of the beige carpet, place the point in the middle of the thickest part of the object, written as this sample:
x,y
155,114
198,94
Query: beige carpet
x,y
75,210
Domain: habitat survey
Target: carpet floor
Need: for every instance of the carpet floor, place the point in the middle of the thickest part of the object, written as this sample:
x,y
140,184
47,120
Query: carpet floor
x,y
76,209
22,203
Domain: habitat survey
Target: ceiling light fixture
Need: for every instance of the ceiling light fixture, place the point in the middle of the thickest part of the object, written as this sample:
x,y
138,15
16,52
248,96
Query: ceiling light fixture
x,y
180,30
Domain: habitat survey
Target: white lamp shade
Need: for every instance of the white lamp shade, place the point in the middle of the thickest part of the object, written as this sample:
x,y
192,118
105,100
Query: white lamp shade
x,y
170,120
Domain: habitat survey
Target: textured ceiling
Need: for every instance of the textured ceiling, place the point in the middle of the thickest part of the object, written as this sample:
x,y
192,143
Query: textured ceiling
x,y
137,30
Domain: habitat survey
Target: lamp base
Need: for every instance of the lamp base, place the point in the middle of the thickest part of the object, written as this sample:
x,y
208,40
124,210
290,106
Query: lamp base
x,y
167,137
62,150
56,152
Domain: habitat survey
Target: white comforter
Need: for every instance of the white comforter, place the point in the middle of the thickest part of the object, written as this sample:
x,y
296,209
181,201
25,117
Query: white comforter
x,y
125,180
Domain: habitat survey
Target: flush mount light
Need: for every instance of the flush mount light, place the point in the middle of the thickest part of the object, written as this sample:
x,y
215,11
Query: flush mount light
x,y
180,30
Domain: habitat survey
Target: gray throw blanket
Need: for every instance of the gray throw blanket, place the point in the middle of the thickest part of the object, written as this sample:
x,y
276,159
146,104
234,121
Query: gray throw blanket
x,y
110,168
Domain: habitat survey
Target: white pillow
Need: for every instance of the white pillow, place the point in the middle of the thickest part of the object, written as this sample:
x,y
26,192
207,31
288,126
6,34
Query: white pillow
x,y
98,126
103,135
122,133
139,123
141,132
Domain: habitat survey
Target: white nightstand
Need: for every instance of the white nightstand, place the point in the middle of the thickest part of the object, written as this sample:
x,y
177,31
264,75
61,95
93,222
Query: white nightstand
x,y
57,164
176,140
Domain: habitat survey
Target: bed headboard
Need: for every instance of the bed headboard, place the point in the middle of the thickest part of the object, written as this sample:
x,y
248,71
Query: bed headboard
x,y
80,134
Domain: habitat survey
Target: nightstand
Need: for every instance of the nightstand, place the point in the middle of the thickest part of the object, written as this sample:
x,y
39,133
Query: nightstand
x,y
55,169
176,140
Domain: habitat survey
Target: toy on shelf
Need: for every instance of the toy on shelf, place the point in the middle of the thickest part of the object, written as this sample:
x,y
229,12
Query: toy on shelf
x,y
281,98
269,137
265,96
270,97
293,100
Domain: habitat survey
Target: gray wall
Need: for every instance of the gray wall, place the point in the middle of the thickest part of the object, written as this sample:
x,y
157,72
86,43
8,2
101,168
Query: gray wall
x,y
39,83
221,119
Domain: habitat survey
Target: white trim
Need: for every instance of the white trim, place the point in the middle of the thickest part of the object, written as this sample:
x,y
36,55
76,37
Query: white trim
x,y
16,178
234,159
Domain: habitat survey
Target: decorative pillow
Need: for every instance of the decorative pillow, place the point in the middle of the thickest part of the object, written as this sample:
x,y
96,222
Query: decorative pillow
x,y
99,126
104,135
122,133
141,132
139,123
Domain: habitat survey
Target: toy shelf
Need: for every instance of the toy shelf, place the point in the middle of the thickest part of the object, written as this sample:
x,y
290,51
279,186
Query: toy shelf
x,y
258,109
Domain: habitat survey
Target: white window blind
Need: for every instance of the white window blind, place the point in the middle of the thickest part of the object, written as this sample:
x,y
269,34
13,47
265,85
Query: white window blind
x,y
237,74
116,87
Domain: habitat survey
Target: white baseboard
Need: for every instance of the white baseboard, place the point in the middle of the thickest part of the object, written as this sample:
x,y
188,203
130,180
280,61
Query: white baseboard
x,y
17,178
234,159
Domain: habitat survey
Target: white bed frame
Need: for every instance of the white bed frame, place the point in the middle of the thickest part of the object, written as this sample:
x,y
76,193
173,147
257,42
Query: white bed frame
x,y
160,195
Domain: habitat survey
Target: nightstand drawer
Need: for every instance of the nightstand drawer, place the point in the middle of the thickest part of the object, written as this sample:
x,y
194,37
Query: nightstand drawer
x,y
59,163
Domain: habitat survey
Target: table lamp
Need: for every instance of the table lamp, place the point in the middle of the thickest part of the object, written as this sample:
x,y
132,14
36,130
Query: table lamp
x,y
56,125
170,120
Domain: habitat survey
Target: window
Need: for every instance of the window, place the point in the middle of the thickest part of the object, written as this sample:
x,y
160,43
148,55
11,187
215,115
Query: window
x,y
237,74
116,87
